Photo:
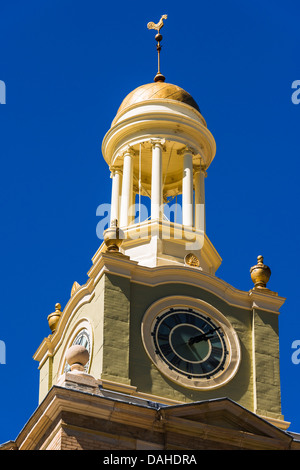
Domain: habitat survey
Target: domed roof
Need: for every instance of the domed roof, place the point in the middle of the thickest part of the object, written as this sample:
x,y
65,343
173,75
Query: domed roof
x,y
158,90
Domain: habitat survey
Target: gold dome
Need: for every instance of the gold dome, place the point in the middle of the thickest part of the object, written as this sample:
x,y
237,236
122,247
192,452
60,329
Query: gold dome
x,y
158,90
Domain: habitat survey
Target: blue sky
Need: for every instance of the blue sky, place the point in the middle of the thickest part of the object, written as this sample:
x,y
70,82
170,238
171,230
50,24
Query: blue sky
x,y
67,66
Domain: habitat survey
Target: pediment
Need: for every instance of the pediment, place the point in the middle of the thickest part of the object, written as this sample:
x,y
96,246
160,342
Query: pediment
x,y
225,416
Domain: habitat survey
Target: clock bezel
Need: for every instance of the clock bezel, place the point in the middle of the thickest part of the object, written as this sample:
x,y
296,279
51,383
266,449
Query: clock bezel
x,y
231,364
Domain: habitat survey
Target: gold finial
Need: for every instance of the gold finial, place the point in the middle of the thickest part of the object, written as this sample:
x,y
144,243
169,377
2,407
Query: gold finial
x,y
260,274
113,237
157,26
54,317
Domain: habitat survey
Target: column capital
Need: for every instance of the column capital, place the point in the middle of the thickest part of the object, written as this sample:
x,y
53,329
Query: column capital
x,y
114,170
159,142
186,150
128,150
200,169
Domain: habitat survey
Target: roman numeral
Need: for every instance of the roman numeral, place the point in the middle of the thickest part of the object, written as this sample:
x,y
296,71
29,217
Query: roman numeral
x,y
162,337
213,362
217,351
176,361
189,368
166,349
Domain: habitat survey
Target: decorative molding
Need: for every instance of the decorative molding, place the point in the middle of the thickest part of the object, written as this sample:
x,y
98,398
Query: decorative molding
x,y
44,424
199,169
128,150
175,122
115,169
167,274
50,344
159,142
75,287
187,150
192,260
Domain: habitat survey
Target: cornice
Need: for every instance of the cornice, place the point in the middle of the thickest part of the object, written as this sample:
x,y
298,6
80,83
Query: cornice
x,y
162,124
186,275
268,301
61,399
179,419
121,265
162,106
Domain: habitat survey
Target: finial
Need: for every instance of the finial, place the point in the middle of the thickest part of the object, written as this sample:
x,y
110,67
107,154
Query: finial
x,y
157,26
77,357
260,274
113,237
54,317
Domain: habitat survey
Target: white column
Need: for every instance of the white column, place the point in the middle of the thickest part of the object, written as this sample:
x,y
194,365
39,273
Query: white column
x,y
156,180
200,199
115,195
126,188
187,189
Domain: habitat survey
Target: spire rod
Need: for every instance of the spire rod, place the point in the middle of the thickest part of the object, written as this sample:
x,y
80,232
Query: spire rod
x,y
157,26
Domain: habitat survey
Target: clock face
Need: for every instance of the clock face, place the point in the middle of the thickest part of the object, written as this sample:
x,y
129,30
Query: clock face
x,y
190,343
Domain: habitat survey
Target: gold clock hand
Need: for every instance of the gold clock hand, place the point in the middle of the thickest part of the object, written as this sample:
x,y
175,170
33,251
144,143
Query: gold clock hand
x,y
204,336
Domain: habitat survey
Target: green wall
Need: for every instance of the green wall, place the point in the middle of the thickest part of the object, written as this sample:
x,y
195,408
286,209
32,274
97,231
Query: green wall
x,y
256,384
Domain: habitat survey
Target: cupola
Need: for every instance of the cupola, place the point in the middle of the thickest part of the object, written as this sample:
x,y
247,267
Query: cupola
x,y
158,149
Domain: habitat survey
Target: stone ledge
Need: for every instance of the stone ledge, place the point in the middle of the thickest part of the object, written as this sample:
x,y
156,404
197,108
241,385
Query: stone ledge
x,y
80,381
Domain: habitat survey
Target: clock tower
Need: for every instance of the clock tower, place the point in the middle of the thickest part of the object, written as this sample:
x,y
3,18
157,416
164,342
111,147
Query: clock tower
x,y
155,351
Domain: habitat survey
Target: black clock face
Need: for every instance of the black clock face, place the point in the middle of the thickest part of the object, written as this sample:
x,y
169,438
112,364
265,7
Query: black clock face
x,y
190,343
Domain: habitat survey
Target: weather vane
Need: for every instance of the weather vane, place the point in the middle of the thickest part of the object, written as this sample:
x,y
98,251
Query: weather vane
x,y
157,26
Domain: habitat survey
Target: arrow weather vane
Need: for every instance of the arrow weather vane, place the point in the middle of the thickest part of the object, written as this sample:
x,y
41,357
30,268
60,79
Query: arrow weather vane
x,y
157,26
